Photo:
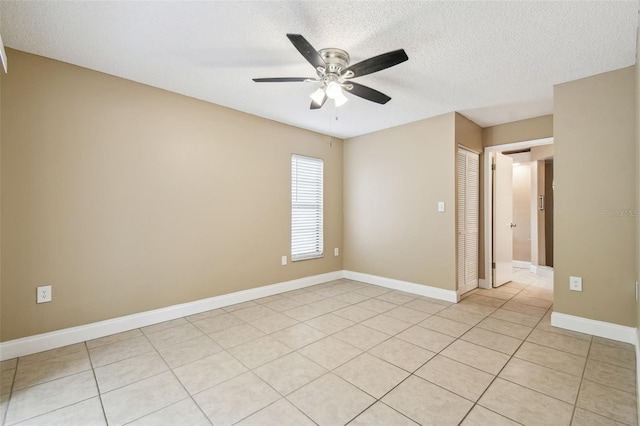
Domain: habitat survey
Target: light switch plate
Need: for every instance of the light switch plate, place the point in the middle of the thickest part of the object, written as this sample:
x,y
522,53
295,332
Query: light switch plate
x,y
284,260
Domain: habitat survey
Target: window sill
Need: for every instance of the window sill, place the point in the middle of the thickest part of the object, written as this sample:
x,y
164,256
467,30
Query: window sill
x,y
310,257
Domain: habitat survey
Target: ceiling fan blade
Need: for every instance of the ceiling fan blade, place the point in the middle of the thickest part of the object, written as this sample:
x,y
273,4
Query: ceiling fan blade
x,y
377,63
368,93
314,105
305,48
281,79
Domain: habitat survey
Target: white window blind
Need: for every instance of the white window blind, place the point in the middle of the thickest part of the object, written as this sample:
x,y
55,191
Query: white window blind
x,y
306,207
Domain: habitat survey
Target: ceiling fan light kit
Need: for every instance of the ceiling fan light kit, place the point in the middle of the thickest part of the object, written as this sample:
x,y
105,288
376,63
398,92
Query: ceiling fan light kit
x,y
334,73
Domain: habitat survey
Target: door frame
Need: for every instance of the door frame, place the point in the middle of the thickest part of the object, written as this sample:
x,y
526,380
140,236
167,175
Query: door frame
x,y
488,192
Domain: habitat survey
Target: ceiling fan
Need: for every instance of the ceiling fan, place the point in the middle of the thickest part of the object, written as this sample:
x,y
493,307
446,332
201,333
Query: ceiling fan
x,y
335,73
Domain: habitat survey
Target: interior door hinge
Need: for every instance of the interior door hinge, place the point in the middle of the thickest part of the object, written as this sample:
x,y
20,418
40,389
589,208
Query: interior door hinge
x,y
493,264
493,166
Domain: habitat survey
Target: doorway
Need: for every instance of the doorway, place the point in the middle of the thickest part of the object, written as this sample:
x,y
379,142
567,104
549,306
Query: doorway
x,y
520,235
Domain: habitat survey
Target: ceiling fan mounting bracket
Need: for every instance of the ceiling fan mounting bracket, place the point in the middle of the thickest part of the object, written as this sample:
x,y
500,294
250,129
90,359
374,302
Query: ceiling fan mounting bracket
x,y
336,59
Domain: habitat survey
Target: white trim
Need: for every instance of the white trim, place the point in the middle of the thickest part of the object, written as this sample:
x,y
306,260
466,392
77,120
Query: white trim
x,y
521,264
69,336
607,330
533,269
482,283
409,287
544,271
638,369
488,180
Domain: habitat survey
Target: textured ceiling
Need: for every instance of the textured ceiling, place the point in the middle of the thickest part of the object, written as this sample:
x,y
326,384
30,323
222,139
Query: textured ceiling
x,y
494,62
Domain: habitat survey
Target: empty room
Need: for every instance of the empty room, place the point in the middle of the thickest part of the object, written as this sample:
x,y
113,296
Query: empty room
x,y
319,213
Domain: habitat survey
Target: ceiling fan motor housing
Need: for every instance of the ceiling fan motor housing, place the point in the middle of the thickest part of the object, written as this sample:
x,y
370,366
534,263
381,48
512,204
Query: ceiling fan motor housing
x,y
336,60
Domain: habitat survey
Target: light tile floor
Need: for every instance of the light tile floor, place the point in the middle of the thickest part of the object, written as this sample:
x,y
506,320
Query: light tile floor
x,y
337,353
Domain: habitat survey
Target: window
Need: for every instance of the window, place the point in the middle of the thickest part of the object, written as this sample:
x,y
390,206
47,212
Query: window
x,y
306,207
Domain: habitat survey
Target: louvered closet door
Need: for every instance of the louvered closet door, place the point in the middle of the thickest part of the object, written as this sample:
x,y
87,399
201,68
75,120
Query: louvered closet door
x,y
468,211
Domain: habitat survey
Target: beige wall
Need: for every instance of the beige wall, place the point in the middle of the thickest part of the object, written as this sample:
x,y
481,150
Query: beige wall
x,y
595,174
522,212
518,131
393,180
127,198
541,152
468,133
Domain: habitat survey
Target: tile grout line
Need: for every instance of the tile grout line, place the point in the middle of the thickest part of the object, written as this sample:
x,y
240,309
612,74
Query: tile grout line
x,y
92,367
189,396
412,373
328,371
581,379
534,328
135,381
146,337
95,378
13,381
366,352
176,325
575,404
145,378
49,381
505,364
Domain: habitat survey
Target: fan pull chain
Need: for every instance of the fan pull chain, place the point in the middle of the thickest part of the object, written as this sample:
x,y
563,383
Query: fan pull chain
x,y
330,125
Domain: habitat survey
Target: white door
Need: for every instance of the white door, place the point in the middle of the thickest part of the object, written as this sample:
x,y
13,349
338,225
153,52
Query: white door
x,y
502,219
468,212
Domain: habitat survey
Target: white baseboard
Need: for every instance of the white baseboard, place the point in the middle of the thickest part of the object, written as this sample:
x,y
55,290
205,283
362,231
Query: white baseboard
x,y
521,264
409,287
545,271
69,336
533,269
607,330
482,283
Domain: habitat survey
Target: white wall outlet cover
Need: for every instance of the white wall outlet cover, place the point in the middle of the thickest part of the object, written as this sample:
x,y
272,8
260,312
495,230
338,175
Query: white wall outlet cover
x,y
284,260
43,294
336,251
440,206
575,283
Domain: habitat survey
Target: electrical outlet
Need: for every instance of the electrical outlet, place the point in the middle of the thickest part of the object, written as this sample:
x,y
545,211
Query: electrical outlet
x,y
440,206
284,260
336,252
43,294
575,283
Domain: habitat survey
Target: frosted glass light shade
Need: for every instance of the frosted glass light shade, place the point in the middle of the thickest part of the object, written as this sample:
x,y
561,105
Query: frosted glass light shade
x,y
317,96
